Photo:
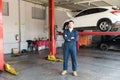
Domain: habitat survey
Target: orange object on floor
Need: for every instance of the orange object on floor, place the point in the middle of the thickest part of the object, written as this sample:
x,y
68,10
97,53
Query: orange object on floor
x,y
84,40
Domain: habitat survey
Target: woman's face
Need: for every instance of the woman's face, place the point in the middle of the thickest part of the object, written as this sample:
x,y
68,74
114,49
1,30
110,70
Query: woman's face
x,y
70,25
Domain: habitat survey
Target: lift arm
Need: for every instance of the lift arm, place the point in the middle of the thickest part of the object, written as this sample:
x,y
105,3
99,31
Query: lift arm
x,y
1,40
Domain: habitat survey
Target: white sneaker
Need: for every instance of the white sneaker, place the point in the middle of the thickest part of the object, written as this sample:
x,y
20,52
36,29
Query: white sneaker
x,y
64,72
74,73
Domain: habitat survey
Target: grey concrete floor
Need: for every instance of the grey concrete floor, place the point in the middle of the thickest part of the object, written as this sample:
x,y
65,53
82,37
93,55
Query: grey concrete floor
x,y
92,65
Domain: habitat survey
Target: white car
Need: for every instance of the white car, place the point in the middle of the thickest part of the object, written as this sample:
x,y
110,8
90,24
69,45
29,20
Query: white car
x,y
103,18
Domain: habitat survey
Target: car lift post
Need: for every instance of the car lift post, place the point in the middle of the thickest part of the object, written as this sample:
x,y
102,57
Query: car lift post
x,y
1,40
51,28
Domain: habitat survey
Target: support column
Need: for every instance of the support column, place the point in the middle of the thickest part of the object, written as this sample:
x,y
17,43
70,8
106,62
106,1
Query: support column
x,y
1,40
51,28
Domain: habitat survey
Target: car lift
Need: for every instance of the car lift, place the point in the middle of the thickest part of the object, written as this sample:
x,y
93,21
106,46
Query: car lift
x,y
52,41
51,34
52,28
52,48
1,40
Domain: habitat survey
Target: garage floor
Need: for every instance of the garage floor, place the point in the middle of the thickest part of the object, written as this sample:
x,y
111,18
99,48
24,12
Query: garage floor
x,y
92,65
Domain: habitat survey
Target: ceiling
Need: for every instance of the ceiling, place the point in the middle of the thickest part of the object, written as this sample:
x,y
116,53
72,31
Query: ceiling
x,y
77,5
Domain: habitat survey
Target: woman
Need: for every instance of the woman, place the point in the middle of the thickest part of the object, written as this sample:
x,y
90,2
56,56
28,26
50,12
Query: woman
x,y
70,36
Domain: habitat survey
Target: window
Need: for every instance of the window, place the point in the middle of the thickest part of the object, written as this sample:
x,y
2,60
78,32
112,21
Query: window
x,y
5,8
86,12
102,9
91,11
81,14
96,10
38,13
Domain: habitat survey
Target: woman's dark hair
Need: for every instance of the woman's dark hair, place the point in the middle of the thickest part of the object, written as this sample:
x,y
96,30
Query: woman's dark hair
x,y
66,24
70,21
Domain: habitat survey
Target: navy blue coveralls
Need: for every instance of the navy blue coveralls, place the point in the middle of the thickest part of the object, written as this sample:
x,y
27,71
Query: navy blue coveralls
x,y
70,48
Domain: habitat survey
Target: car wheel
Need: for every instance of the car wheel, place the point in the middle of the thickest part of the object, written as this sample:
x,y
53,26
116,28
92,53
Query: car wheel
x,y
105,25
104,47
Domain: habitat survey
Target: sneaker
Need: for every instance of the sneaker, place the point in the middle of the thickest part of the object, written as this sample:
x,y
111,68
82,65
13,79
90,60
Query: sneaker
x,y
64,72
74,73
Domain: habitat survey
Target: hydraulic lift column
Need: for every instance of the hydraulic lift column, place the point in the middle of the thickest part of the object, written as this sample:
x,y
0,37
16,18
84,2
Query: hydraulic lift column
x,y
1,40
52,28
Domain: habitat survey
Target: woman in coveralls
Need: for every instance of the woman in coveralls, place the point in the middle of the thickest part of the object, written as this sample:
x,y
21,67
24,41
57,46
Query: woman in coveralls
x,y
70,36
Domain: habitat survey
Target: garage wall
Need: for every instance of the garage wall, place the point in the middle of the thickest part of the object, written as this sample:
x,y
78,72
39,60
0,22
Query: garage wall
x,y
10,26
30,28
60,17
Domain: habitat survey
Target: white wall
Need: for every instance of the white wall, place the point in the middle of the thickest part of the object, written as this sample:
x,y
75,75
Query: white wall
x,y
60,17
30,28
10,26
33,28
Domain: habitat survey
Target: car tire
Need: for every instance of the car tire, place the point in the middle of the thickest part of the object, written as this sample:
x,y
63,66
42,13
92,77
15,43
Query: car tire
x,y
104,47
105,25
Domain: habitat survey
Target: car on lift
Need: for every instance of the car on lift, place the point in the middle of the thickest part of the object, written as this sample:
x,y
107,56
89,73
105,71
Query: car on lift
x,y
101,18
110,42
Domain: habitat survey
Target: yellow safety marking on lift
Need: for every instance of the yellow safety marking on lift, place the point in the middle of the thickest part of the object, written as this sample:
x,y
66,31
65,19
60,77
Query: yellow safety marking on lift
x,y
53,58
9,69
